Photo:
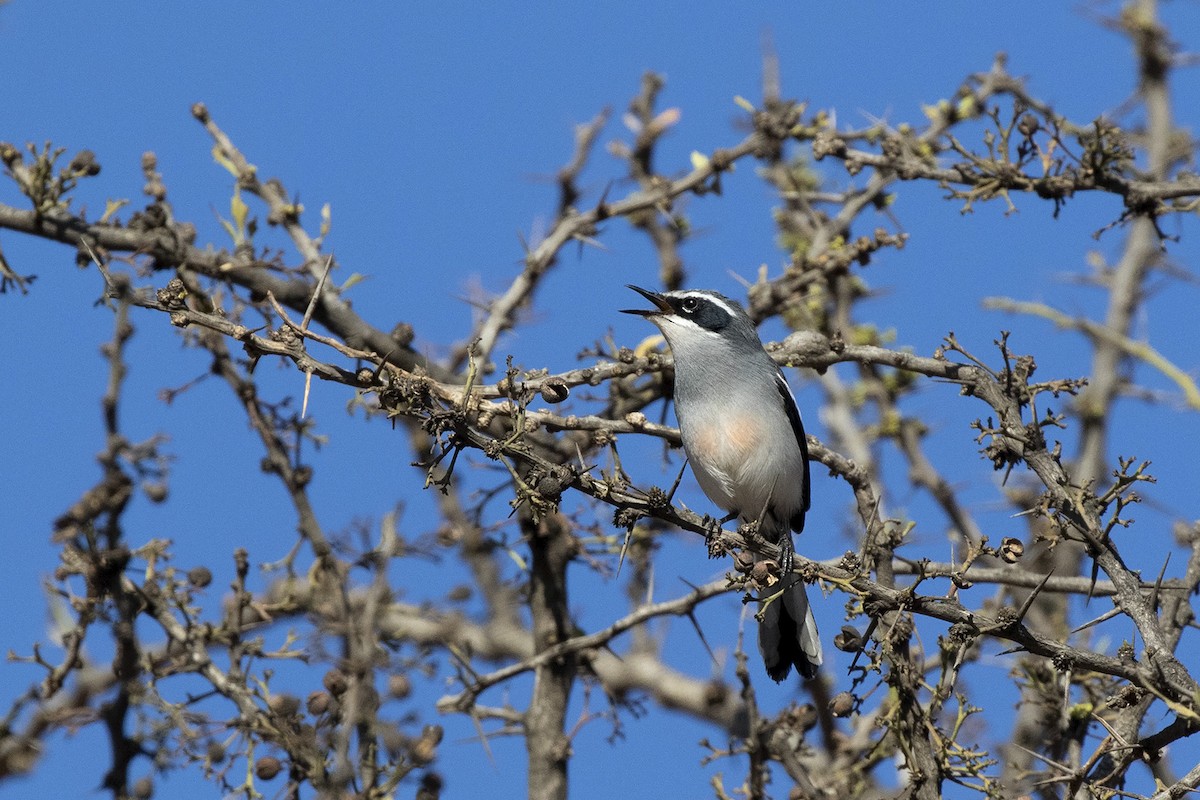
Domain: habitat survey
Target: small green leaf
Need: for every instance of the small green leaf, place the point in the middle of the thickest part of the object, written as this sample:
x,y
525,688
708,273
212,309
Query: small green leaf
x,y
219,156
355,278
239,210
111,207
326,220
515,556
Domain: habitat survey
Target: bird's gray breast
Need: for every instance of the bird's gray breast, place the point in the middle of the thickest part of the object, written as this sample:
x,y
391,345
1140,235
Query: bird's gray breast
x,y
743,451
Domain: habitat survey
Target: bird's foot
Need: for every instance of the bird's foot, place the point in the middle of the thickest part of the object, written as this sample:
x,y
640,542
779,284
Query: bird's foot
x,y
787,553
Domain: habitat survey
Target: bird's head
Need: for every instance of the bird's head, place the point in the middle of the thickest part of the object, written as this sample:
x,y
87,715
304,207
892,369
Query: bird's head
x,y
697,318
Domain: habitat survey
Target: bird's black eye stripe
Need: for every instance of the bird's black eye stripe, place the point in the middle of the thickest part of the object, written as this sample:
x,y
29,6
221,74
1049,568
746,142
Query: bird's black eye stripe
x,y
707,313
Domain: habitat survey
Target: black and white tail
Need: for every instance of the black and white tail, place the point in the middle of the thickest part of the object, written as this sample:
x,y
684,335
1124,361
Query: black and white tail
x,y
787,635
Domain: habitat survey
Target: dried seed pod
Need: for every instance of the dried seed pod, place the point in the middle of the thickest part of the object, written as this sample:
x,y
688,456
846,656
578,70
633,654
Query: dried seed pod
x,y
555,391
1011,549
849,640
763,572
842,704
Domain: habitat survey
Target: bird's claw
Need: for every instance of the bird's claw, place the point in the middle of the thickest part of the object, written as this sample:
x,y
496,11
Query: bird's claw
x,y
787,554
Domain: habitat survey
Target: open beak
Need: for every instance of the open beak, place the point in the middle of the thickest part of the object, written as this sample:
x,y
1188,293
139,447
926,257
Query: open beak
x,y
662,306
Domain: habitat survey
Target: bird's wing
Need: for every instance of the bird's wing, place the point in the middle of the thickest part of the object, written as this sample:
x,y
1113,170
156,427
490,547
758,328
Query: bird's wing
x,y
793,413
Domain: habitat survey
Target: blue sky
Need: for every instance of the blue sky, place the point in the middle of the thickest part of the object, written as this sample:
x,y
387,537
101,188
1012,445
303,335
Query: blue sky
x,y
433,131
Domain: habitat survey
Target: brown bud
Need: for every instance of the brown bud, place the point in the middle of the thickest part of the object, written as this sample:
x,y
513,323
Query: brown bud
x,y
84,163
155,491
626,518
657,499
433,732
301,476
173,294
430,787
285,705
403,334
962,632
399,686
318,703
1007,616
335,681
801,717
284,334
143,788
267,768
199,577
424,749
850,562
715,693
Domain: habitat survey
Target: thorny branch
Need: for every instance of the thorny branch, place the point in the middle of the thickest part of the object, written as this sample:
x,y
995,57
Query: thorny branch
x,y
1084,712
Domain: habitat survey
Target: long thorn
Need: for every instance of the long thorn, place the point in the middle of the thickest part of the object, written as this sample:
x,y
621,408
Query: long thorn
x,y
1033,596
312,303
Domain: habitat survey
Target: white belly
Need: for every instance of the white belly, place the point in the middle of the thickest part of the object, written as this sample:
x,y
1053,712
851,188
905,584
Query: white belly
x,y
745,462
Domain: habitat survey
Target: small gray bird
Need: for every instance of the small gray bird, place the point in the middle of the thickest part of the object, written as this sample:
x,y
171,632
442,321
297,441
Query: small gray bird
x,y
745,442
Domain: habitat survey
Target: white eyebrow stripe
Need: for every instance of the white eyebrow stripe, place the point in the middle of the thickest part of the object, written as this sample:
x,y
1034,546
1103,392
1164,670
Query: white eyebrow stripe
x,y
716,301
